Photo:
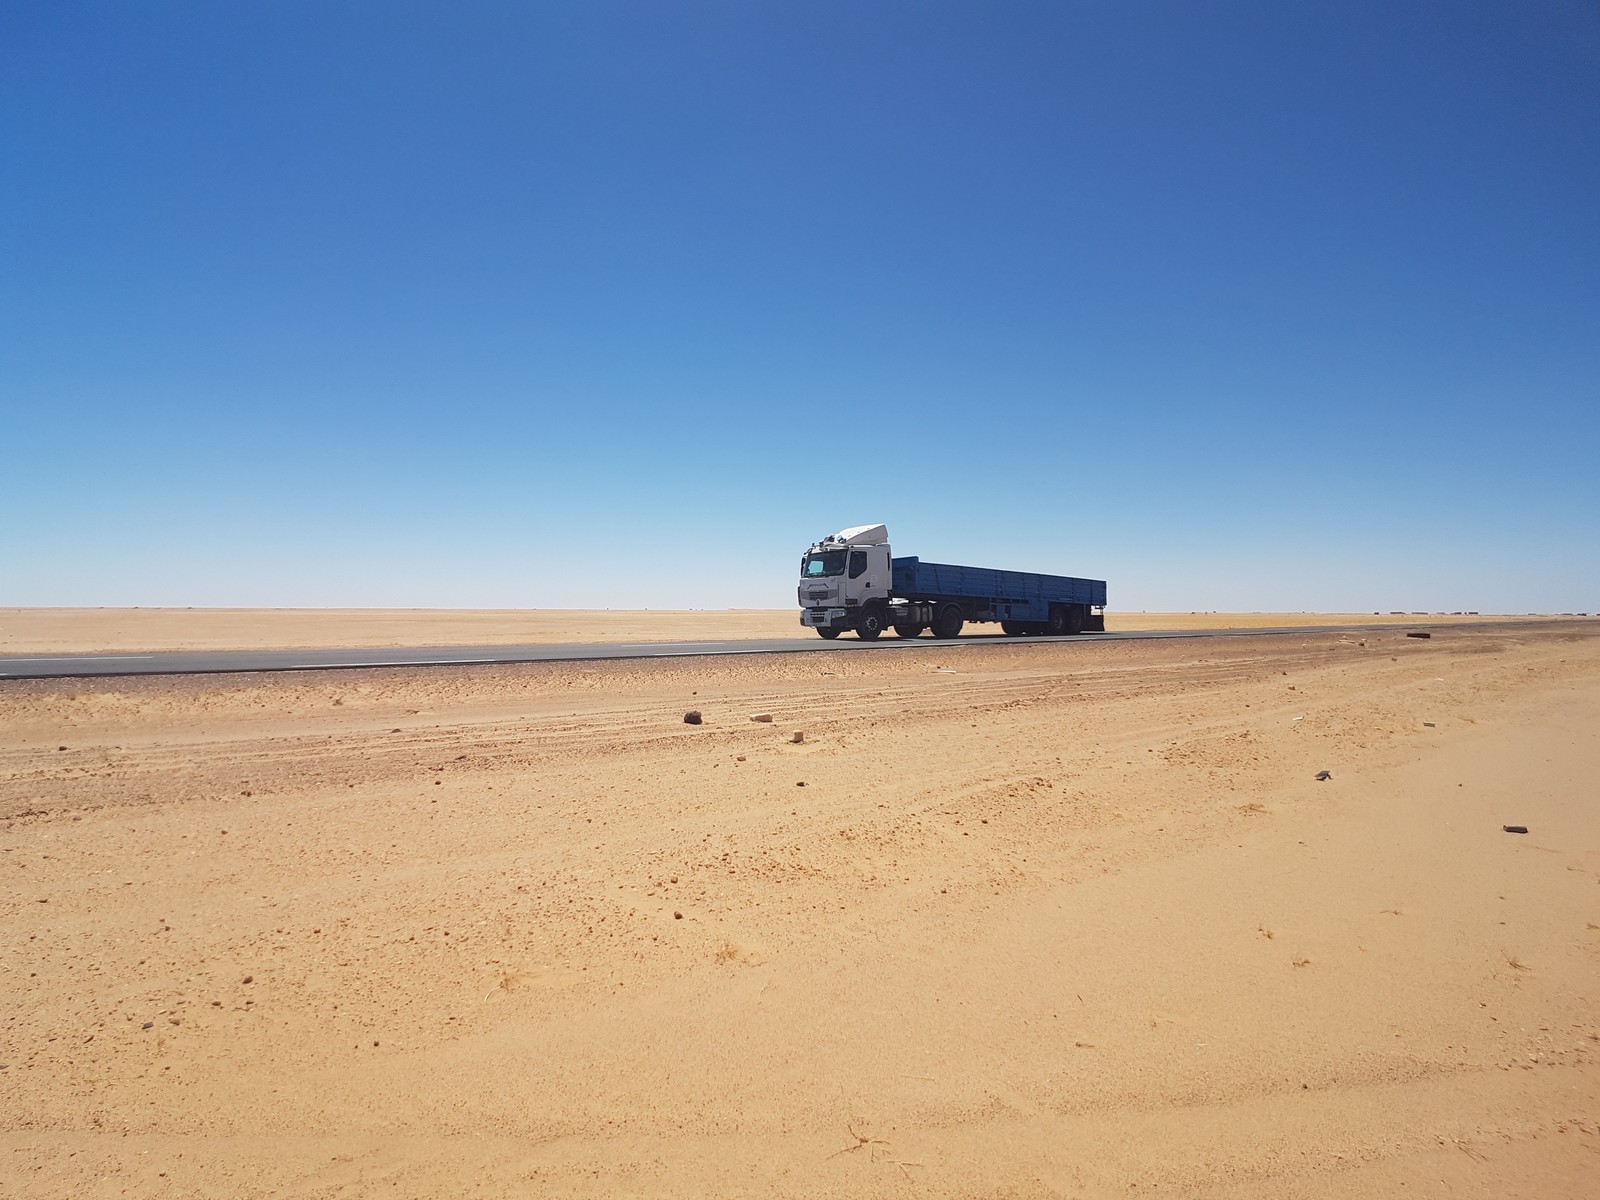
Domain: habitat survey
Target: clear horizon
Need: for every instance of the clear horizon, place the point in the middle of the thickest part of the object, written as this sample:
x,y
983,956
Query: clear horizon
x,y
1242,308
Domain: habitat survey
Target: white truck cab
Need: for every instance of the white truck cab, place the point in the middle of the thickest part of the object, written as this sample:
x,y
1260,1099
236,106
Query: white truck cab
x,y
845,580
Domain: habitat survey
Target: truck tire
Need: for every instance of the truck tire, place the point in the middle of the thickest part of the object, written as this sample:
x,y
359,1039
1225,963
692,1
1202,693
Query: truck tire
x,y
1076,615
1014,628
909,630
1058,620
872,623
830,634
947,621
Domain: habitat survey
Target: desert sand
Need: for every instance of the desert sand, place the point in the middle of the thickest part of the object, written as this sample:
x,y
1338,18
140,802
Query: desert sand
x,y
26,631
1070,919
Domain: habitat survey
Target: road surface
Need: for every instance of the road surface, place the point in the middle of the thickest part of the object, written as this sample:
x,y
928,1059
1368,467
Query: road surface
x,y
212,662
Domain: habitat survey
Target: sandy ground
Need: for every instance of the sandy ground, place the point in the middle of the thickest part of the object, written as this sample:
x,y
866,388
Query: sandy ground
x,y
141,630
1055,920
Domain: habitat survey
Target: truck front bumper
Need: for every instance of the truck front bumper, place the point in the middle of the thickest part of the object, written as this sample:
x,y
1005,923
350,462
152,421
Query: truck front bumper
x,y
825,618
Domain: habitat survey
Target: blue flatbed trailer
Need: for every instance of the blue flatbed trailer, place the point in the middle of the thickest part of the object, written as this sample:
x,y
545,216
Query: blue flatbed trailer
x,y
1014,598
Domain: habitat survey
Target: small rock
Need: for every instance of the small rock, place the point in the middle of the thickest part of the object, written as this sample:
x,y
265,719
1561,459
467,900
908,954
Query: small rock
x,y
248,979
764,718
60,747
800,783
1324,776
797,736
692,717
1419,635
740,758
1429,725
677,916
148,1025
1515,828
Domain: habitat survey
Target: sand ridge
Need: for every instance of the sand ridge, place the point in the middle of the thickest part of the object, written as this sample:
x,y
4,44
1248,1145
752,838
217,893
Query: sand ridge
x,y
1028,920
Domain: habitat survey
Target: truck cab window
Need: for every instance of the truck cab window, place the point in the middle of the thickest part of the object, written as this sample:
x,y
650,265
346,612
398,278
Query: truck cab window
x,y
828,562
858,563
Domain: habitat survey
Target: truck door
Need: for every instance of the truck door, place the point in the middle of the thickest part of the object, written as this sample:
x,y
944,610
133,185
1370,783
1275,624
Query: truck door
x,y
869,574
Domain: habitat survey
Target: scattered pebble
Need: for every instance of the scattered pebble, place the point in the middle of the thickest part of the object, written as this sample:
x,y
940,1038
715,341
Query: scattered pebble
x,y
797,736
764,718
677,916
248,979
1515,828
692,717
800,783
1324,776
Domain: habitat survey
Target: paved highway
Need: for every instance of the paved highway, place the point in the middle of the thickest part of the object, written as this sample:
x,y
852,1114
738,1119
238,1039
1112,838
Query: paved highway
x,y
212,662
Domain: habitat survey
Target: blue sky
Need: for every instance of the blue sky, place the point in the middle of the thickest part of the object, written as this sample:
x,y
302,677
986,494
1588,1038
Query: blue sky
x,y
1235,305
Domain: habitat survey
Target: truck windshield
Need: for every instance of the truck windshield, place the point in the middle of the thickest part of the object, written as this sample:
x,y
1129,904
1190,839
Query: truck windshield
x,y
829,562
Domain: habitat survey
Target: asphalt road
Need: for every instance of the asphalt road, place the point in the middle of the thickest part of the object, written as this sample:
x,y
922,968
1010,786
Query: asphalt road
x,y
214,662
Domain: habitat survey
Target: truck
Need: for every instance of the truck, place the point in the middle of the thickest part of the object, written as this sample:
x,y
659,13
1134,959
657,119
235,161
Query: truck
x,y
850,580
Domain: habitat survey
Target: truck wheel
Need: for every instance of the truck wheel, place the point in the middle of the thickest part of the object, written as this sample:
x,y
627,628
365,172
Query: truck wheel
x,y
830,634
1058,620
872,623
1014,628
1075,618
947,622
909,630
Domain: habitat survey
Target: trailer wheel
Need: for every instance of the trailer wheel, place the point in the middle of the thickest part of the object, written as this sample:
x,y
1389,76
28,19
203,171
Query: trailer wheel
x,y
1014,628
830,634
909,630
1058,620
1075,618
872,623
947,621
